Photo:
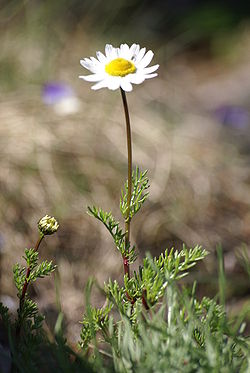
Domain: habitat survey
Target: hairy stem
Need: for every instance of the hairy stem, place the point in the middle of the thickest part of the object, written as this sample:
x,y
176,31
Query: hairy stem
x,y
129,146
25,287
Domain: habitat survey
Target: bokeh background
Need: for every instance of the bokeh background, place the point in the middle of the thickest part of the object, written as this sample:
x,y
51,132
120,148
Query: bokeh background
x,y
63,147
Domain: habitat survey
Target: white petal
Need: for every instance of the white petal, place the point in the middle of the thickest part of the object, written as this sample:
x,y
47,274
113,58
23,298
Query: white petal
x,y
86,63
150,69
108,50
114,83
82,62
94,60
149,76
92,78
90,65
111,52
101,57
136,78
87,60
132,52
134,49
126,86
124,51
146,59
102,84
114,53
140,55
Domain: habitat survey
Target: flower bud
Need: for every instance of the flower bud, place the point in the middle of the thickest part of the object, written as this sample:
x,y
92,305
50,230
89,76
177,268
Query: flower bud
x,y
48,225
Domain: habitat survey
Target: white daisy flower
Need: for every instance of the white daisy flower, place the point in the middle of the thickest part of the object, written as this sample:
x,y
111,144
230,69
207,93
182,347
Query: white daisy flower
x,y
119,67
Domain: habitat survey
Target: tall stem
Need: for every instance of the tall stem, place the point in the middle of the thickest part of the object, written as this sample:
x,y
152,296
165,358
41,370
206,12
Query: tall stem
x,y
129,146
25,287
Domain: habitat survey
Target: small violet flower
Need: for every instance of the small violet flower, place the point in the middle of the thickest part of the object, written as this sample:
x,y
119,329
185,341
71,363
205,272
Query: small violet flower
x,y
61,96
235,117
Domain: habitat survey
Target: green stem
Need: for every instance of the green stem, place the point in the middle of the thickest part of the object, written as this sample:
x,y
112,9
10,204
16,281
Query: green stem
x,y
129,146
25,287
222,277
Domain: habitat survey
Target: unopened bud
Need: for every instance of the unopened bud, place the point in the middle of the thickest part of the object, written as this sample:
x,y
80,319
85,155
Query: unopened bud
x,y
48,225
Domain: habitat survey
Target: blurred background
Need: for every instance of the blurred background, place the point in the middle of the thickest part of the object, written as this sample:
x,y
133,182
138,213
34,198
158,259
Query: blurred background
x,y
63,146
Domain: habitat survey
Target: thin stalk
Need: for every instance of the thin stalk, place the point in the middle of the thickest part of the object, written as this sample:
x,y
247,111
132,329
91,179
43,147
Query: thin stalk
x,y
25,287
222,277
129,146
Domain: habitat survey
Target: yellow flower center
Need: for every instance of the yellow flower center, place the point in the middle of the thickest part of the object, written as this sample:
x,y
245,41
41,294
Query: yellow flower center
x,y
120,67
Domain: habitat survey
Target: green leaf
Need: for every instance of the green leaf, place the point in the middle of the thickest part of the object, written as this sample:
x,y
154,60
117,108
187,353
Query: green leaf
x,y
116,232
42,270
31,257
19,274
140,184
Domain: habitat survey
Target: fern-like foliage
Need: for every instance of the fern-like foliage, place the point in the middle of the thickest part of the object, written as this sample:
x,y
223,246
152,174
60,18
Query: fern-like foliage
x,y
4,314
142,290
150,281
180,334
110,223
116,232
140,184
19,274
95,320
36,270
29,318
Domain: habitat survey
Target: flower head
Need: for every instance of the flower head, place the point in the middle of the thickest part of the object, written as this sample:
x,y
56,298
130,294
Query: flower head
x,y
48,225
119,67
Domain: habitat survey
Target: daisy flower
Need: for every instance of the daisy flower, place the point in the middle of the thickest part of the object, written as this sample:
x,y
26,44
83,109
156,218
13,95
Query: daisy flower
x,y
119,67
